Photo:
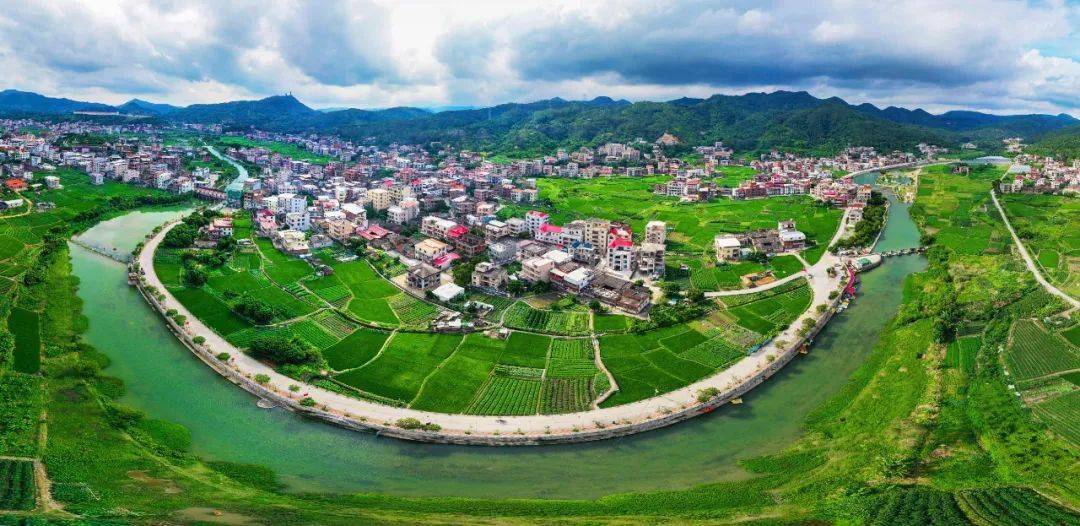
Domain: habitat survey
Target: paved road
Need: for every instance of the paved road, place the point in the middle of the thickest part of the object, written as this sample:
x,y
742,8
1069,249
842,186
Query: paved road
x,y
1030,262
540,426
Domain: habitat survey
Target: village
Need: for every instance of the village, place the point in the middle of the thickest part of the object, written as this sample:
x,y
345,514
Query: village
x,y
438,212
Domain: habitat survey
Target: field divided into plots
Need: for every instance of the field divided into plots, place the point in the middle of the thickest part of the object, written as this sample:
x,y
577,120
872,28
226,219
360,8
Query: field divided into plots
x,y
1047,224
650,363
1046,367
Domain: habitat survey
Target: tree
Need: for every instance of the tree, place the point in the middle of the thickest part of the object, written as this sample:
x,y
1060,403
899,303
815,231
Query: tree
x,y
181,236
195,277
282,350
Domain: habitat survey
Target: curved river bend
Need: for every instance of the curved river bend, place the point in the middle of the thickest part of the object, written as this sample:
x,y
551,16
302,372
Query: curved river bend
x,y
167,382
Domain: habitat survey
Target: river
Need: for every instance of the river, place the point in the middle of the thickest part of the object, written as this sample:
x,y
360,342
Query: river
x,y
166,381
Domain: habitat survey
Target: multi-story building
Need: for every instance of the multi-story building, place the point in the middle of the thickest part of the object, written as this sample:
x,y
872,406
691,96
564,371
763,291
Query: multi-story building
x,y
536,269
423,277
298,221
379,198
728,247
488,275
656,232
429,250
620,255
651,259
534,220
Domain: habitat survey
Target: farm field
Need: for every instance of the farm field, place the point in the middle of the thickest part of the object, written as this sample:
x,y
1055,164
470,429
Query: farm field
x,y
1034,352
961,353
963,217
695,225
706,274
1047,224
398,372
17,490
567,322
25,325
654,362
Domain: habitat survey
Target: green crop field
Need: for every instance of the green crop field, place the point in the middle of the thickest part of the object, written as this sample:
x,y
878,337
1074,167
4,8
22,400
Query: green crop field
x,y
356,349
963,217
1034,352
507,395
565,395
610,323
20,410
526,350
399,370
1047,224
961,353
569,323
770,313
1062,414
694,225
1012,506
287,149
17,488
25,325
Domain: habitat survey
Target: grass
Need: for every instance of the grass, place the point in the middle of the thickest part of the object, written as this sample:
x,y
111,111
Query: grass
x,y
1062,414
610,323
293,151
17,488
526,350
505,395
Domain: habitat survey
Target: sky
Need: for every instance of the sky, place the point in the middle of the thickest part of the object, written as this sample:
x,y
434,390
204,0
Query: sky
x,y
990,55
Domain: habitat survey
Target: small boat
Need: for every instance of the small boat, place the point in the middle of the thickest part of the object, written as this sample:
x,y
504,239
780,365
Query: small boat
x,y
265,404
736,401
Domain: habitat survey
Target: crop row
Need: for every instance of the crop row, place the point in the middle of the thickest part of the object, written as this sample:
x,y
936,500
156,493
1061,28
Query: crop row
x,y
565,395
1034,352
571,349
1062,414
714,353
17,489
521,373
335,324
743,299
571,368
507,396
1013,506
919,506
522,316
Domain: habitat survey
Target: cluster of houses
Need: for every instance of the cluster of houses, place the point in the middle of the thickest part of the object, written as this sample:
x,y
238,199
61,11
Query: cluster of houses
x,y
434,210
1041,175
768,241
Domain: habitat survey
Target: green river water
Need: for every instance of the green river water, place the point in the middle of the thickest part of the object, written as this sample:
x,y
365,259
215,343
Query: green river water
x,y
166,381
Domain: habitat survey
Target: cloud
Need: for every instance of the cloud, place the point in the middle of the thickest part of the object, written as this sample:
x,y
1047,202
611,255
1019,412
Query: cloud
x,y
1000,55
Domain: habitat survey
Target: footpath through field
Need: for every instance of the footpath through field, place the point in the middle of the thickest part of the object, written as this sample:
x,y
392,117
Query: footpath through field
x,y
1030,262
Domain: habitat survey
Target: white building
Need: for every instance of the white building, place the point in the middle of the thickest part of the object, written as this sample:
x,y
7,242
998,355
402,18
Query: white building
x,y
299,221
656,232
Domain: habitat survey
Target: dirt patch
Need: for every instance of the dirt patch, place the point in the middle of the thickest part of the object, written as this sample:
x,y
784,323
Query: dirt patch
x,y
215,516
70,395
167,486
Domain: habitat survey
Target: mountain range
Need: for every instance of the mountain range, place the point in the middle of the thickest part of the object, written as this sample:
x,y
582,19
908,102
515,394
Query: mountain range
x,y
750,122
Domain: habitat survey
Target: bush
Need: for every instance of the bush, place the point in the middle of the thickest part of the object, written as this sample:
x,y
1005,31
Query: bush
x,y
282,350
704,395
224,356
262,379
308,402
199,340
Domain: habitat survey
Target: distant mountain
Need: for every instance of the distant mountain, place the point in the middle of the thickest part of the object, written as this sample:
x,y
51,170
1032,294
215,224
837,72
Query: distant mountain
x,y
1022,125
25,102
1063,144
142,107
753,122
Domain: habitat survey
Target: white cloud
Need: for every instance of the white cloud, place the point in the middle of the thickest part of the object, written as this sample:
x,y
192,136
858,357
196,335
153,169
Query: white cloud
x,y
981,54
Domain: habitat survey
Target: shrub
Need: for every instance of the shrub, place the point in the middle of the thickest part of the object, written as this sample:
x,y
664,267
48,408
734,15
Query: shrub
x,y
224,356
282,350
308,402
199,340
262,379
704,395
